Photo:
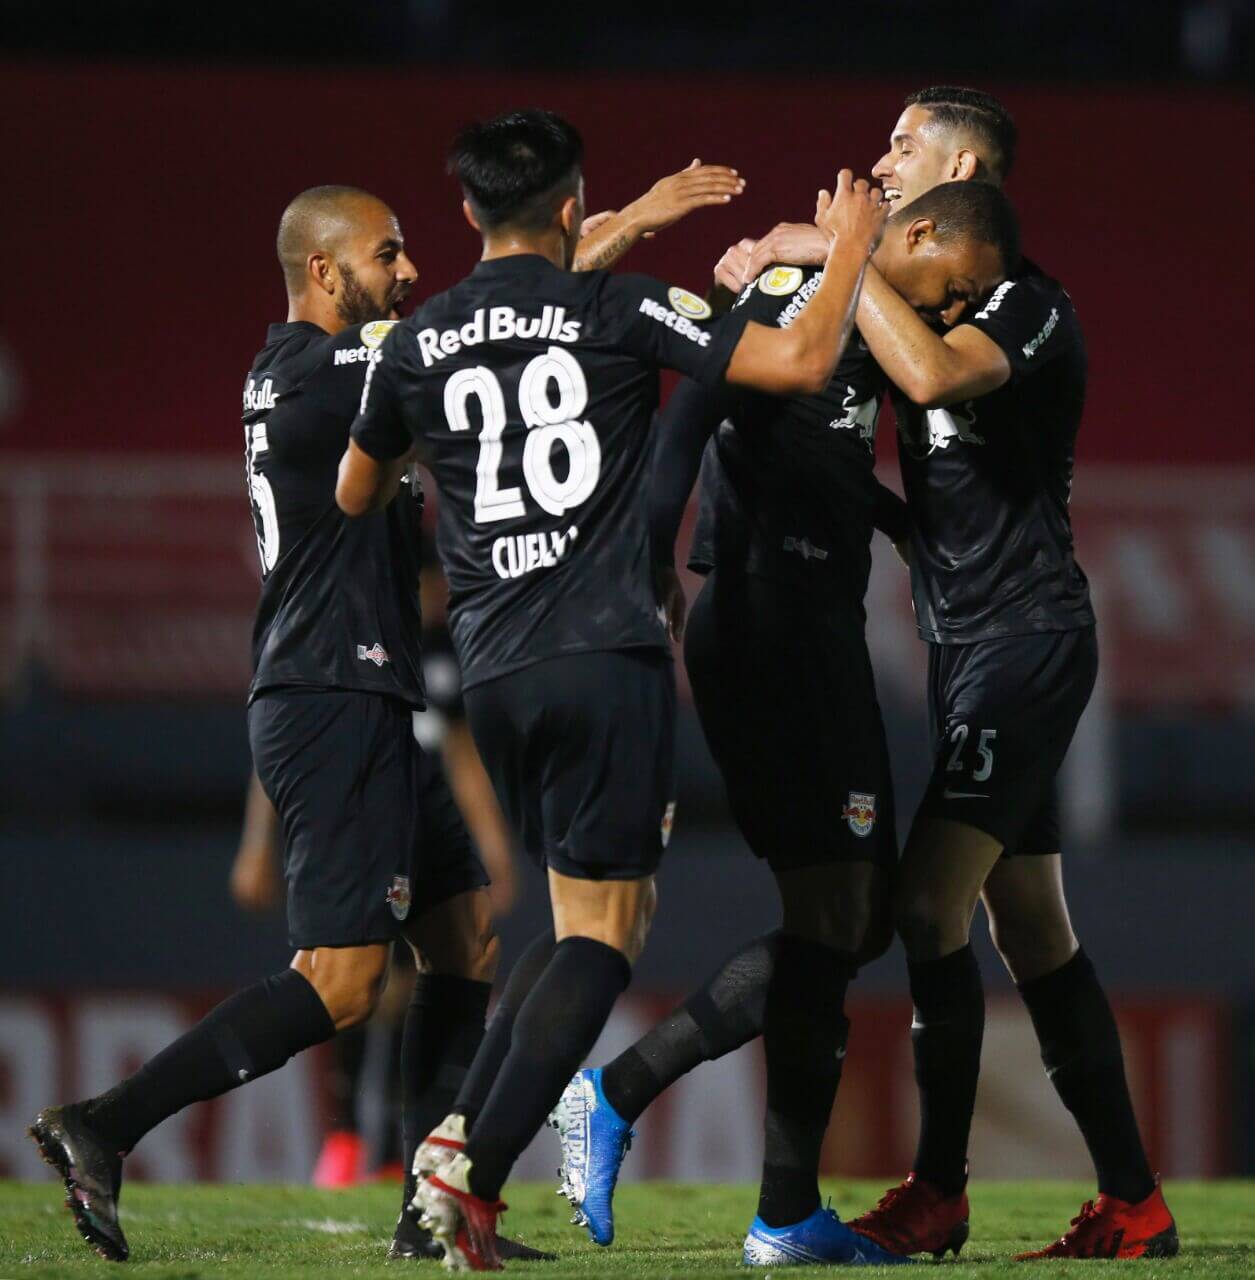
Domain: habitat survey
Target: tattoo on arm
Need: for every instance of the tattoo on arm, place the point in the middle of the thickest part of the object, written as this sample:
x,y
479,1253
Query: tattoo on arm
x,y
603,255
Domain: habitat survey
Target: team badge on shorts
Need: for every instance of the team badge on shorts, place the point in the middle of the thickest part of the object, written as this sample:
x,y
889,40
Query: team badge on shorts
x,y
668,821
860,812
399,896
375,332
688,304
779,282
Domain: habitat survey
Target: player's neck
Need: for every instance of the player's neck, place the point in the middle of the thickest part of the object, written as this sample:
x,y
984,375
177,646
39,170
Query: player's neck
x,y
315,311
510,244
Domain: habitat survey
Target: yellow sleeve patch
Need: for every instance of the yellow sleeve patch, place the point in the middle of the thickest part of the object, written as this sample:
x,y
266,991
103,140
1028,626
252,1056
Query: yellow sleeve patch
x,y
780,281
375,332
688,304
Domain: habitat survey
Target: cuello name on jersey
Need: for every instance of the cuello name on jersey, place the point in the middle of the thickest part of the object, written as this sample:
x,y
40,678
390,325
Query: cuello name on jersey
x,y
496,324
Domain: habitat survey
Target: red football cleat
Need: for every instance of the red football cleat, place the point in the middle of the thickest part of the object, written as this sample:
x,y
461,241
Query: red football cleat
x,y
915,1217
463,1223
1111,1228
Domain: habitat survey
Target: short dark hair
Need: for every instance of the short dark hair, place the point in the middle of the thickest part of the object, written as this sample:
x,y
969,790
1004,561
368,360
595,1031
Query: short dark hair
x,y
513,166
973,210
978,114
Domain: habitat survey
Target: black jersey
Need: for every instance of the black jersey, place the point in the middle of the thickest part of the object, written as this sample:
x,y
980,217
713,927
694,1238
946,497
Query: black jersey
x,y
339,598
988,480
787,485
532,390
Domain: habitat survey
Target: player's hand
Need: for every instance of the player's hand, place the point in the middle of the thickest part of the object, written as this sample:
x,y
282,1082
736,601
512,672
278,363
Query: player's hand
x,y
670,198
254,882
796,244
672,599
594,220
854,215
730,269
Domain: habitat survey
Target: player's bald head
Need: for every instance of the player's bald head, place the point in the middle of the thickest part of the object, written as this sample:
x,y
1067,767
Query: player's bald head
x,y
320,220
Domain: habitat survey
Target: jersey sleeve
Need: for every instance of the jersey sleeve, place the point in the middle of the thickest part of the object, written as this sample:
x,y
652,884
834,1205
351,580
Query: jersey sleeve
x,y
380,428
669,326
1026,321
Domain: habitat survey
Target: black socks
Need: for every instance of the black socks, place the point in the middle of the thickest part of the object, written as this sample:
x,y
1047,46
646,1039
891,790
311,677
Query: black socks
x,y
804,1035
1080,1048
722,1016
554,1031
444,1026
496,1041
248,1035
946,1033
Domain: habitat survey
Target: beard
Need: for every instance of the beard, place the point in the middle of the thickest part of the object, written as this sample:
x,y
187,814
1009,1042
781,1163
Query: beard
x,y
355,304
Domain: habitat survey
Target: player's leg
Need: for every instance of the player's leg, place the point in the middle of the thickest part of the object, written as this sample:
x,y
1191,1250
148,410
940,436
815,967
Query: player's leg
x,y
307,753
1080,1046
581,753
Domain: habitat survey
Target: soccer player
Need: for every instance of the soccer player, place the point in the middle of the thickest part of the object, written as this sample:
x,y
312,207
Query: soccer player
x,y
988,416
783,684
533,390
374,846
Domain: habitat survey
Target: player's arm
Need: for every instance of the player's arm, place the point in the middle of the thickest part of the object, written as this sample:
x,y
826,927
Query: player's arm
x,y
666,202
801,359
380,444
255,872
930,369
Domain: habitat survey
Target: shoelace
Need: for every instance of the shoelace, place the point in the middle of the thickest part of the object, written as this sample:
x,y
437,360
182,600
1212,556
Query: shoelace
x,y
891,1197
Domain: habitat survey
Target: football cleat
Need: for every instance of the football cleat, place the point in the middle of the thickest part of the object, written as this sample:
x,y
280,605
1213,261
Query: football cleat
x,y
92,1175
341,1160
595,1139
1111,1228
820,1240
915,1217
463,1224
440,1146
410,1240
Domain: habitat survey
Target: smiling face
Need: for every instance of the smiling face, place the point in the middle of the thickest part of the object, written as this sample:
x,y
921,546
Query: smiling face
x,y
922,154
939,276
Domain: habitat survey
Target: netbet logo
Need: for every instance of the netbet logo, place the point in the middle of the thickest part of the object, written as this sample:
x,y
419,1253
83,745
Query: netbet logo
x,y
999,296
673,320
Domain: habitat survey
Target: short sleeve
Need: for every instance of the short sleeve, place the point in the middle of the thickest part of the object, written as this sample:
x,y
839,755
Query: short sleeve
x,y
1027,321
380,429
669,326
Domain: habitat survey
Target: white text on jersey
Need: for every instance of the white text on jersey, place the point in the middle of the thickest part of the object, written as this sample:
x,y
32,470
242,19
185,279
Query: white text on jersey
x,y
496,324
520,553
673,320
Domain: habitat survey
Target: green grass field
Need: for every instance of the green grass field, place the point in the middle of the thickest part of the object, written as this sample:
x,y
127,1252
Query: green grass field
x,y
188,1232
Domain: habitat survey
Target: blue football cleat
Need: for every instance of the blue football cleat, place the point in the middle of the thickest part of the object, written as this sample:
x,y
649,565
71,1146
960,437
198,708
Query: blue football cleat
x,y
594,1138
821,1239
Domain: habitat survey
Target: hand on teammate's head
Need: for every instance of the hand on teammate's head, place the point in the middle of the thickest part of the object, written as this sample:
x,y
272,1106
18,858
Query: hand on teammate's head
x,y
595,220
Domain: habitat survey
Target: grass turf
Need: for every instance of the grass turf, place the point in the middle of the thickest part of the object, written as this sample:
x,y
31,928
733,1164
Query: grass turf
x,y
188,1232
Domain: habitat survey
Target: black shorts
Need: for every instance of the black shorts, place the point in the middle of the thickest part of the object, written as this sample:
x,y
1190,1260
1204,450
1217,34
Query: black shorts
x,y
581,752
784,687
1002,714
372,837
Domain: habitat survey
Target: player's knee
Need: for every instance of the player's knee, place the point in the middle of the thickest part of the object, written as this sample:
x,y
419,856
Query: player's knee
x,y
925,922
348,986
877,939
1031,948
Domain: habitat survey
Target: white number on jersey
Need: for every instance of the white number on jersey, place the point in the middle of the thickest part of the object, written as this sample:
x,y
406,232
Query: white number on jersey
x,y
265,517
547,424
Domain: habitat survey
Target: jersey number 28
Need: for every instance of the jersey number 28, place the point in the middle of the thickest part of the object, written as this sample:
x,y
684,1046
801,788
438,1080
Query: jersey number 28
x,y
547,424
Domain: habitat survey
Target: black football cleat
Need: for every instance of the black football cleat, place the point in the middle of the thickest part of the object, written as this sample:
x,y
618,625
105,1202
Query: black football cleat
x,y
92,1174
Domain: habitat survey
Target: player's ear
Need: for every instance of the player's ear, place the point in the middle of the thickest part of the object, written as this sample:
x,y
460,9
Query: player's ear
x,y
963,165
469,216
919,231
570,215
322,272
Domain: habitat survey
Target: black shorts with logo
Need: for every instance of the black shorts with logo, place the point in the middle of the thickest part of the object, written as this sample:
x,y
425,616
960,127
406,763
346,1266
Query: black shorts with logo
x,y
1002,714
581,752
784,687
372,836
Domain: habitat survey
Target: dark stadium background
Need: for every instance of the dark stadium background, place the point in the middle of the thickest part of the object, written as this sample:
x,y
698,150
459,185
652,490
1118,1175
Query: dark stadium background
x,y
147,154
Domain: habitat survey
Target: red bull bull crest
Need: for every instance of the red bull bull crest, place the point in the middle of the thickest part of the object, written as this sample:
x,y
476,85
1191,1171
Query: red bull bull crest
x,y
860,812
